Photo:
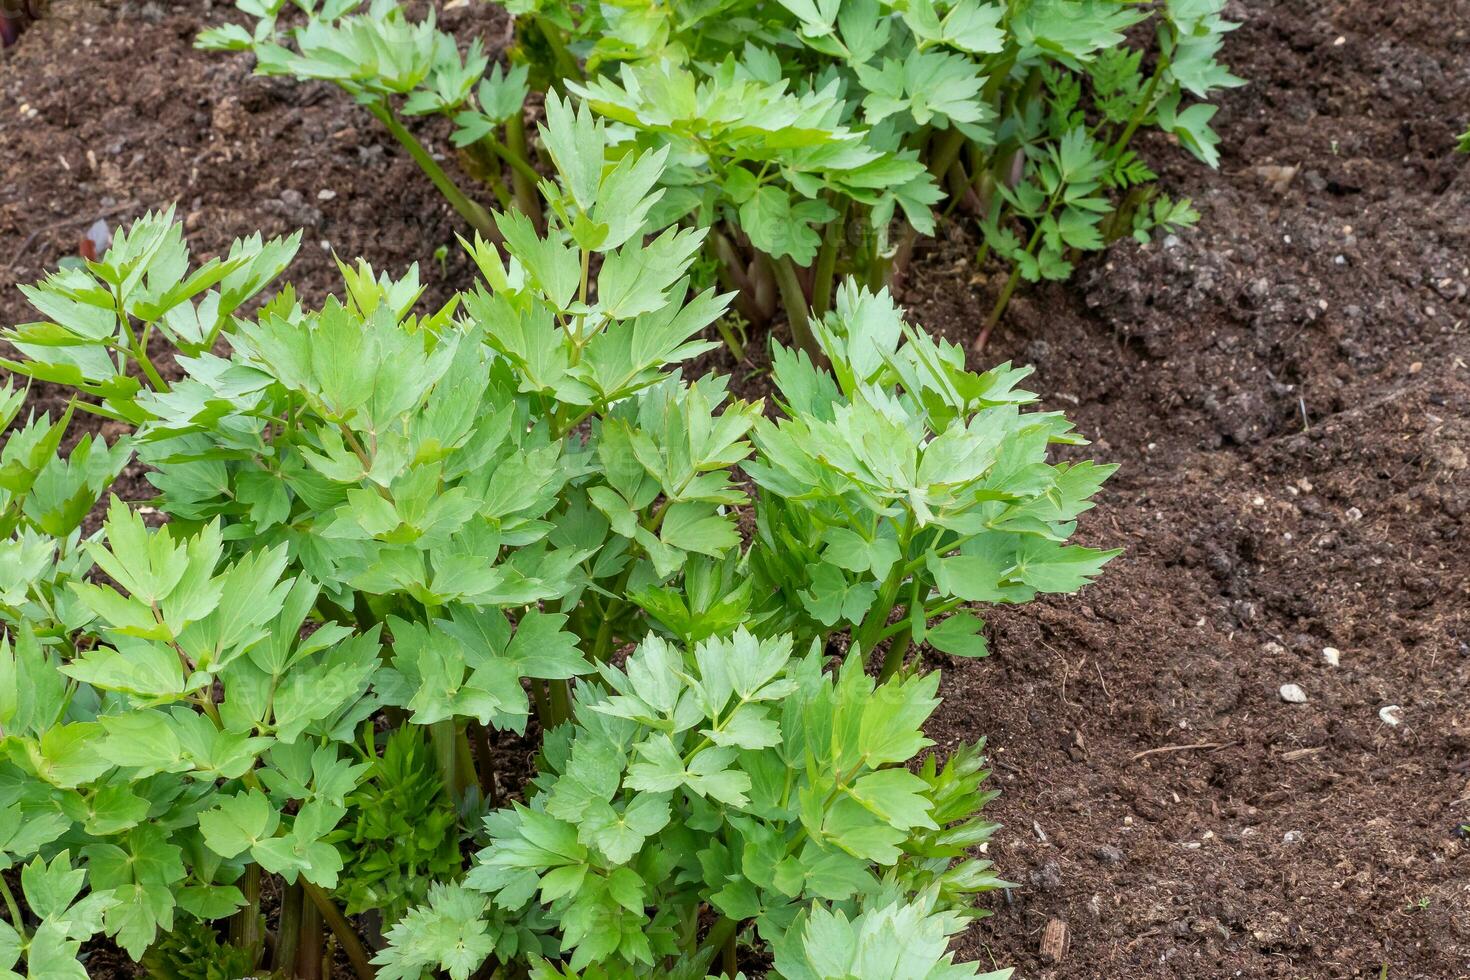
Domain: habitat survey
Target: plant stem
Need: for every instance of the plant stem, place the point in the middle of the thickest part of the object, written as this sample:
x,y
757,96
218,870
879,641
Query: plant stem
x,y
524,184
727,334
154,377
764,281
288,935
566,62
541,704
870,632
795,302
18,923
721,937
464,758
245,925
732,956
308,964
469,210
946,152
832,238
486,766
893,659
561,699
486,167
515,160
903,257
442,737
962,191
1145,106
342,929
602,642
1001,302
731,272
1004,299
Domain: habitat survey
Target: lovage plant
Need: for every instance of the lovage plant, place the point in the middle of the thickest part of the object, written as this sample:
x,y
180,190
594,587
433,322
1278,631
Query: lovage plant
x,y
1023,111
259,718
816,139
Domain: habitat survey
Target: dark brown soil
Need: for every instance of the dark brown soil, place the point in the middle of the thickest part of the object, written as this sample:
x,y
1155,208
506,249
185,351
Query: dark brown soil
x,y
1286,387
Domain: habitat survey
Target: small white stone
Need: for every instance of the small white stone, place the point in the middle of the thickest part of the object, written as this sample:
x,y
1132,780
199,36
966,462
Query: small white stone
x,y
1331,656
1292,694
1291,837
1353,514
1391,714
325,195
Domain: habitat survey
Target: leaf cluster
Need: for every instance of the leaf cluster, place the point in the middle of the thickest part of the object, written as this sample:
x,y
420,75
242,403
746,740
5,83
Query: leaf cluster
x,y
815,139
384,538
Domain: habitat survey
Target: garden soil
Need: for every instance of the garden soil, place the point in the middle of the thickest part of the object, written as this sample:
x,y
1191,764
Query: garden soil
x,y
1287,389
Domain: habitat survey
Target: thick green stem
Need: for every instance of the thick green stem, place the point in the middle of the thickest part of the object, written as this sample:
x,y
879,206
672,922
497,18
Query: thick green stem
x,y
469,210
343,930
795,302
869,634
602,642
946,151
308,964
561,699
485,764
484,165
730,270
764,282
245,926
833,236
893,659
16,922
154,377
515,160
541,704
962,191
442,736
566,62
524,183
721,939
464,758
288,935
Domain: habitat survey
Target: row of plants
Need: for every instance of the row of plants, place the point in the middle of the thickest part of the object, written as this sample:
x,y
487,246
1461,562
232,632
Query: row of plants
x,y
816,140
267,718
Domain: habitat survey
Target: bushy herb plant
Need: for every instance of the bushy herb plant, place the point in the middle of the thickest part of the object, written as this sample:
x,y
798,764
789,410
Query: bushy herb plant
x,y
383,538
816,139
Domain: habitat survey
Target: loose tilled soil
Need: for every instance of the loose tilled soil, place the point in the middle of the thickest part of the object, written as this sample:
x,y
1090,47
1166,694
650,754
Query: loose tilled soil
x,y
1286,387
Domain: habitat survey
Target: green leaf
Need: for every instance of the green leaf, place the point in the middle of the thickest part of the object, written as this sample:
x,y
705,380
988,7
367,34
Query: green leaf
x,y
959,636
24,834
833,599
619,834
237,823
1049,567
